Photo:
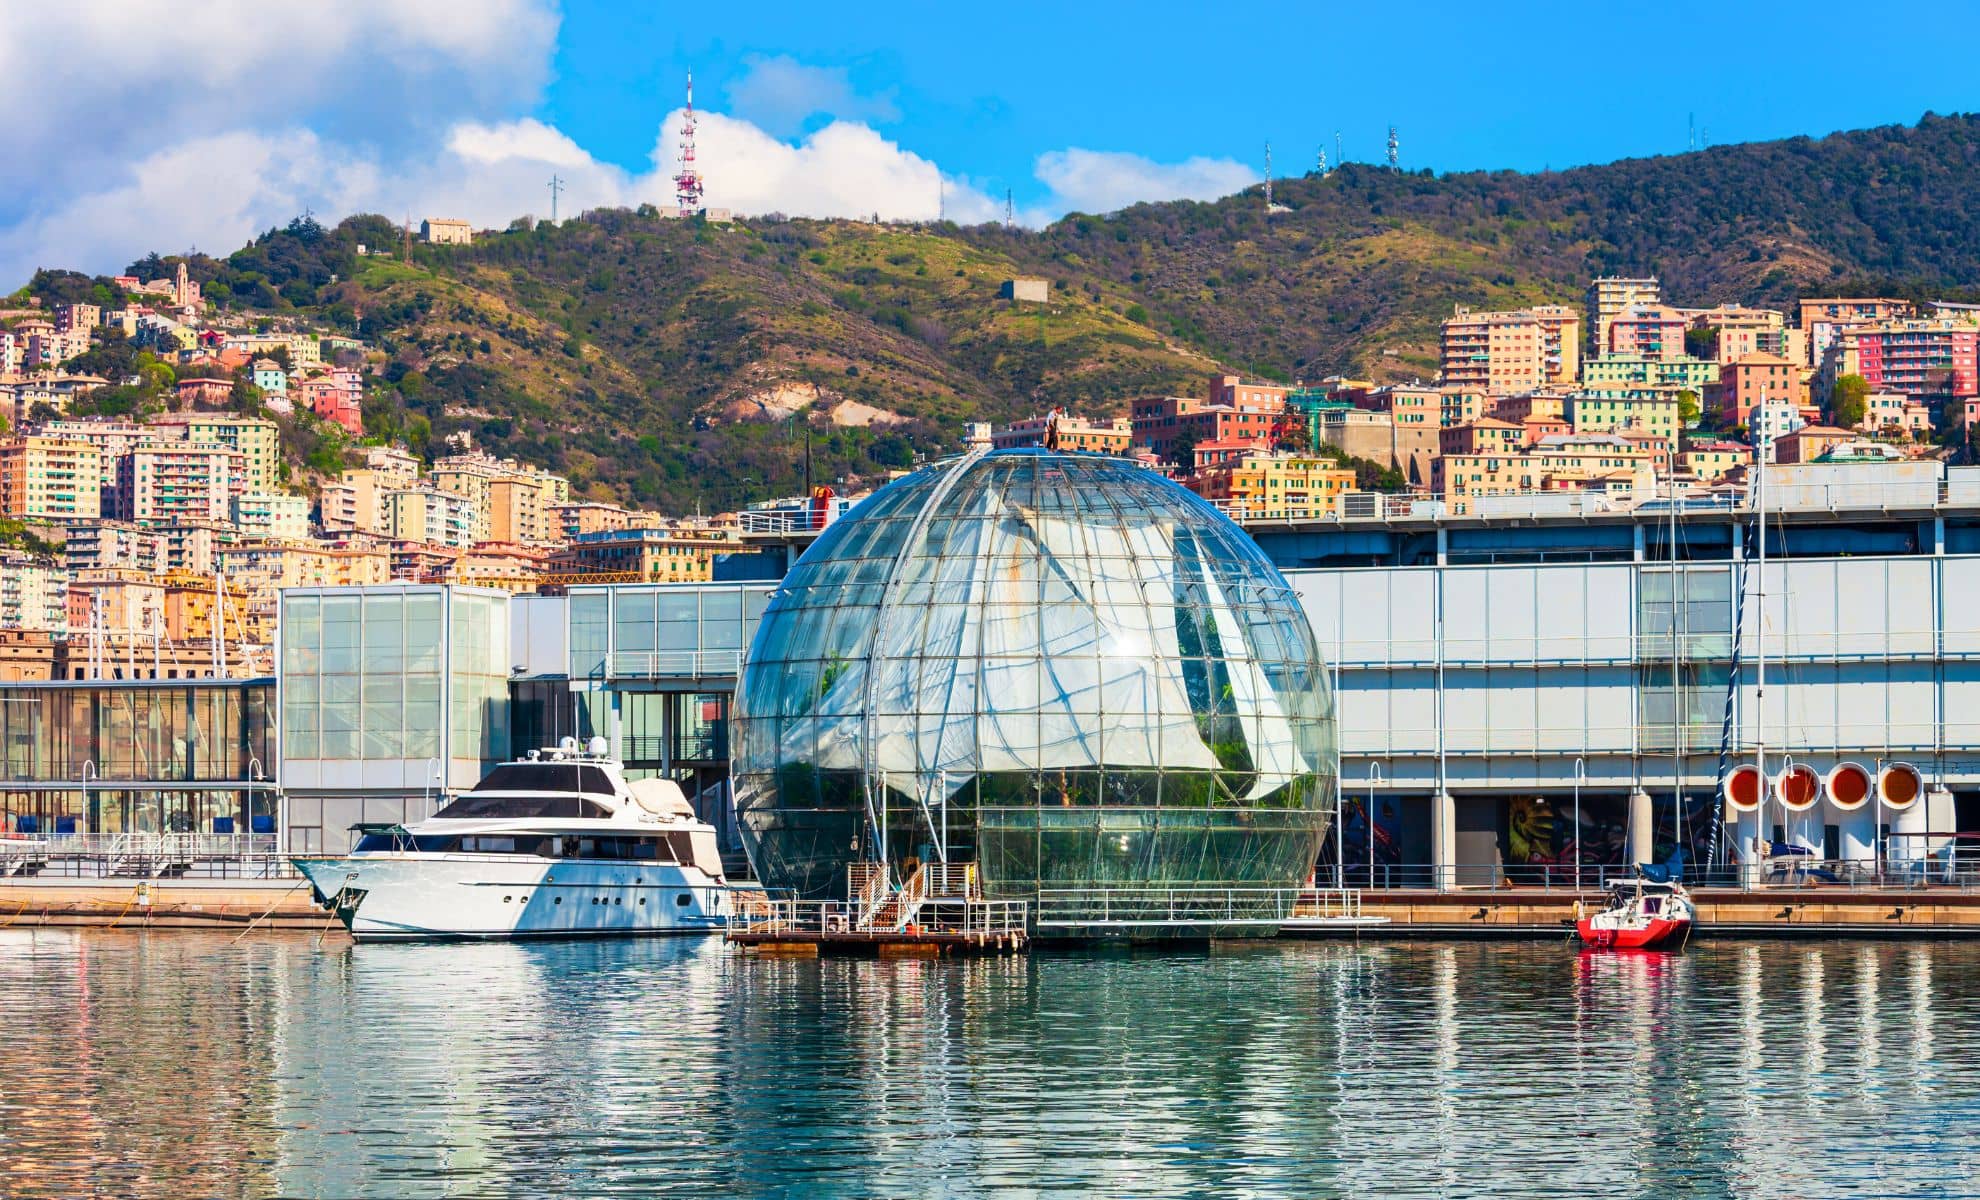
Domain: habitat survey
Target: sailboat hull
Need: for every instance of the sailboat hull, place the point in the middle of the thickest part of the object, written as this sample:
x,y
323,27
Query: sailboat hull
x,y
1655,934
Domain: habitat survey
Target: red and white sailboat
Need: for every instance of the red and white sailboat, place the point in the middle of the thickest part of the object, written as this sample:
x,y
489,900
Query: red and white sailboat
x,y
1641,914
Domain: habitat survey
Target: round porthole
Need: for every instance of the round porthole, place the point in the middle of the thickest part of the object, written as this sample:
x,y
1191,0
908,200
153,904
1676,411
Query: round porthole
x,y
507,899
560,900
683,900
642,902
618,900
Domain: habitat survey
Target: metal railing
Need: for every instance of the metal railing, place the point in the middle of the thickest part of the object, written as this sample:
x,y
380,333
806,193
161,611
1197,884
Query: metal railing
x,y
1171,908
1944,870
143,856
973,920
684,664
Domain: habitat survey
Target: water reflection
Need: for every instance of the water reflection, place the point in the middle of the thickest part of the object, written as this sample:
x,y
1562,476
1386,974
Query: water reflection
x,y
173,1065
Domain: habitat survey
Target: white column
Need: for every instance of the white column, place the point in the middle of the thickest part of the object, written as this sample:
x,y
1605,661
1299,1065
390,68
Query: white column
x,y
1443,841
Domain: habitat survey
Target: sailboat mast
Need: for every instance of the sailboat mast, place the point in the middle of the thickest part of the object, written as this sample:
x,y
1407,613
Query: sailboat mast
x,y
1761,454
1680,717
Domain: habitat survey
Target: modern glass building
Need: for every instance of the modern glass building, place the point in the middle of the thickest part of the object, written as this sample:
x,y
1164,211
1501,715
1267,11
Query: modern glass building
x,y
137,757
1063,667
391,696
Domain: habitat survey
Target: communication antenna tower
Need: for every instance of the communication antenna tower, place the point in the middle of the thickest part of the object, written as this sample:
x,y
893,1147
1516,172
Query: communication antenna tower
x,y
1340,156
941,198
1268,177
1322,165
1395,150
1010,209
688,186
556,186
1691,131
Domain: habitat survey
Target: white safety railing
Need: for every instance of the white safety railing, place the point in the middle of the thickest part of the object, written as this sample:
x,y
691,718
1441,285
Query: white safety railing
x,y
685,664
1102,908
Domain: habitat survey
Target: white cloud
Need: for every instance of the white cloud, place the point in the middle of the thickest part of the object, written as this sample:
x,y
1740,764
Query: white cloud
x,y
778,95
140,125
91,85
1097,181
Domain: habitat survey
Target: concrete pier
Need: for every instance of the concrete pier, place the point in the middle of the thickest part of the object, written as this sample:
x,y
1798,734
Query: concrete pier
x,y
159,904
1812,912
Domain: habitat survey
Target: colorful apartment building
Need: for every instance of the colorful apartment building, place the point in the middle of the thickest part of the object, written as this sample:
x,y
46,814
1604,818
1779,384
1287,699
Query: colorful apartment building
x,y
179,483
33,594
1916,358
430,516
1111,436
1602,462
1161,423
1648,331
1499,353
1609,297
1268,483
1636,370
1594,413
258,440
1811,442
1486,435
271,515
519,511
1710,460
50,479
1754,380
1821,320
647,554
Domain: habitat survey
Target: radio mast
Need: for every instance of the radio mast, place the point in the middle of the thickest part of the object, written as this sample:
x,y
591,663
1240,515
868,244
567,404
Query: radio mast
x,y
688,186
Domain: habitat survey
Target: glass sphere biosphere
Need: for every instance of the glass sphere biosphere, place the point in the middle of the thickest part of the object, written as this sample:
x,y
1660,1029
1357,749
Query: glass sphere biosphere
x,y
1062,667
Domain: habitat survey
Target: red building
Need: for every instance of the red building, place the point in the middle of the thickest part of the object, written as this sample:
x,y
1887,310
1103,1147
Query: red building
x,y
1919,358
1160,422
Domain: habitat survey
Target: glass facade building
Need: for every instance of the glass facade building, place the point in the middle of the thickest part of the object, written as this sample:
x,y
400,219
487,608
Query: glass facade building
x,y
390,695
137,757
1063,667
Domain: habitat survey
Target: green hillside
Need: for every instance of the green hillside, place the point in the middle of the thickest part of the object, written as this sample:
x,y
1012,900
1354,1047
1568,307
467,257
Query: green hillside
x,y
679,363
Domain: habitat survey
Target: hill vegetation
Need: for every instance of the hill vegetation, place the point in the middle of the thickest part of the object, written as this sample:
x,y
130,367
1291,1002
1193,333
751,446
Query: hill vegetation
x,y
675,363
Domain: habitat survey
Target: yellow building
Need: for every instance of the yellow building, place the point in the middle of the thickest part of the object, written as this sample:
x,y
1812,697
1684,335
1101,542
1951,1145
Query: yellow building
x,y
190,609
1573,463
1706,461
49,479
649,555
1499,353
526,503
1270,484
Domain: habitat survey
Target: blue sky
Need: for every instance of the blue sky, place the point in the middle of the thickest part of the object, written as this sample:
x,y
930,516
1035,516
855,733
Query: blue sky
x,y
150,124
983,89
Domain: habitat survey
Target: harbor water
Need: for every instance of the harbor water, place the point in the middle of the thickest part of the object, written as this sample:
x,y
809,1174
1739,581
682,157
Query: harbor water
x,y
193,1065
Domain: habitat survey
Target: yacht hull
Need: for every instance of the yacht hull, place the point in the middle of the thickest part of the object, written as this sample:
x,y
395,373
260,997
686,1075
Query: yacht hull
x,y
430,897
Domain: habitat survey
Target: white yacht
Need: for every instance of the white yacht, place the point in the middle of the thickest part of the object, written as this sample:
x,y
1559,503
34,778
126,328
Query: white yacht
x,y
557,844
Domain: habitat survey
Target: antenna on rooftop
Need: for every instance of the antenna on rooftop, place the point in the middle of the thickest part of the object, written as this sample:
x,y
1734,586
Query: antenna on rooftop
x,y
1395,150
556,186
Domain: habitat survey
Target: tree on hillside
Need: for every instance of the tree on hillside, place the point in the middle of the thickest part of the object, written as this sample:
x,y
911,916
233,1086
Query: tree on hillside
x,y
1846,401
1688,411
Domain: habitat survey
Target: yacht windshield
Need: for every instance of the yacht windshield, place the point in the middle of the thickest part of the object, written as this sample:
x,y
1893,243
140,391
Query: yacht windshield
x,y
480,806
